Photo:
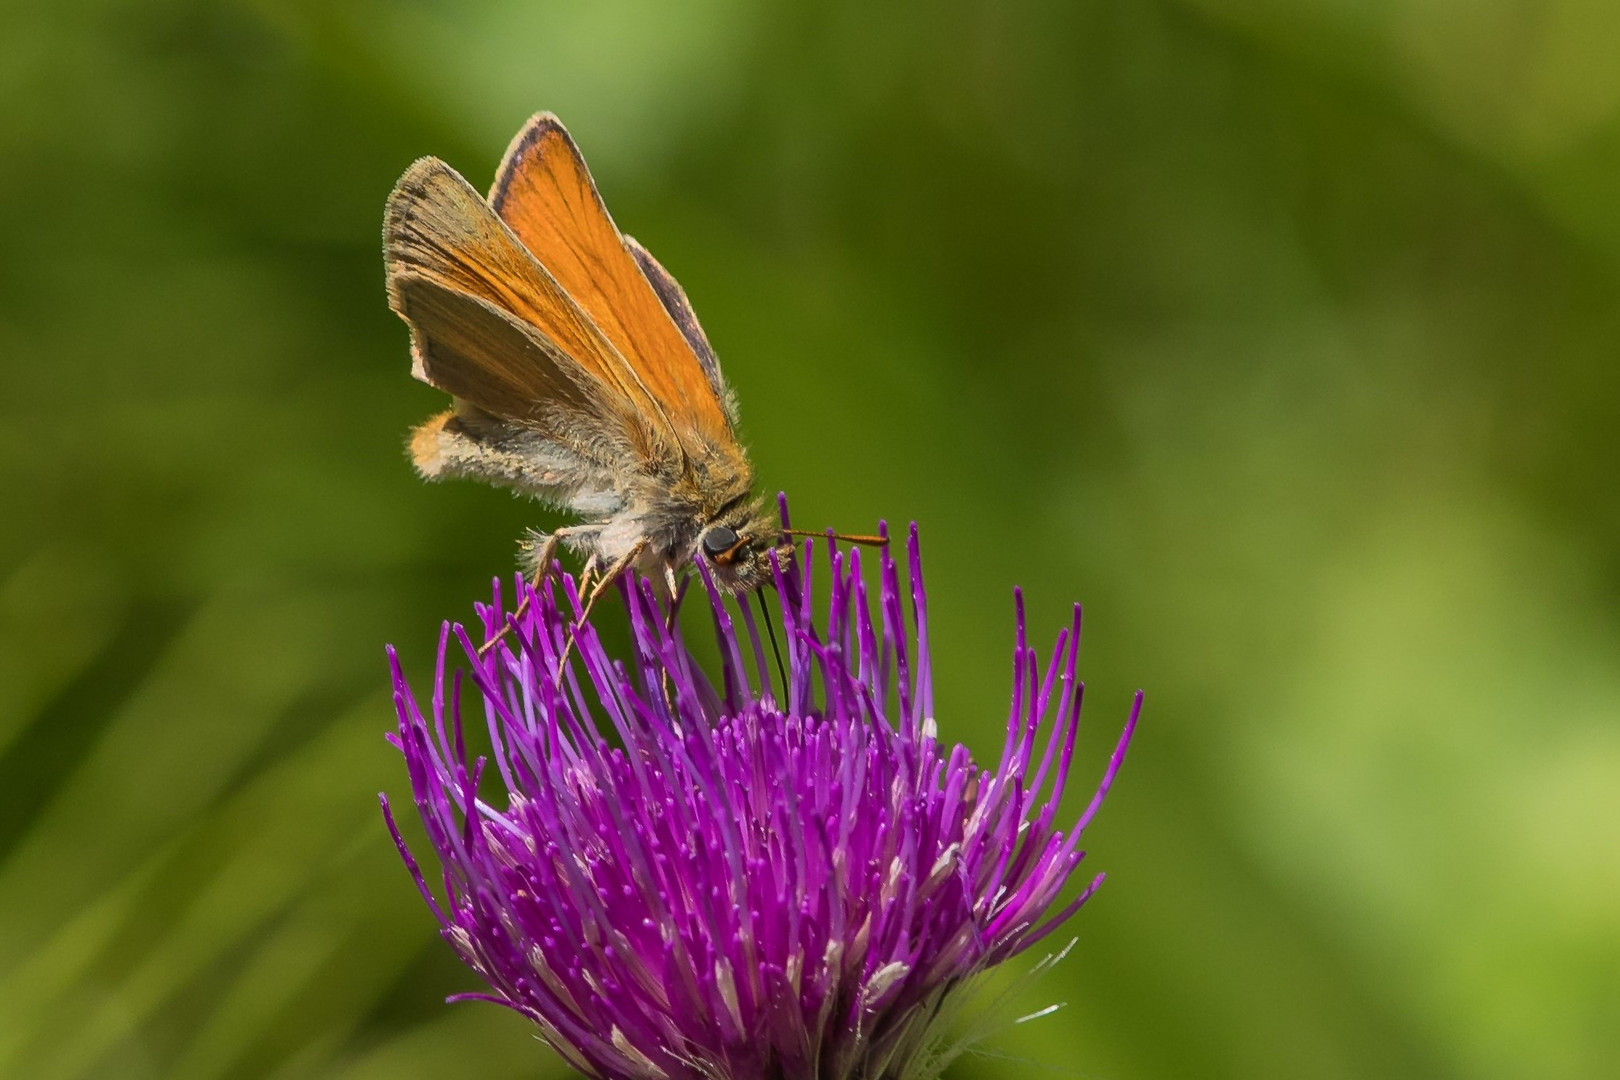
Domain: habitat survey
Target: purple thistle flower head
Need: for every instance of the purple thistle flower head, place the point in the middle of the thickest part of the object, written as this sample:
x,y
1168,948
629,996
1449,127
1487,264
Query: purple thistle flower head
x,y
710,882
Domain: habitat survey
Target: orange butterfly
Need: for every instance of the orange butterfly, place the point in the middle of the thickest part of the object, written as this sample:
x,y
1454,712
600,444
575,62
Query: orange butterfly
x,y
579,372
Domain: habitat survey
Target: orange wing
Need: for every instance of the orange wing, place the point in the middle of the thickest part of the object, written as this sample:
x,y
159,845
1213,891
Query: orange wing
x,y
544,192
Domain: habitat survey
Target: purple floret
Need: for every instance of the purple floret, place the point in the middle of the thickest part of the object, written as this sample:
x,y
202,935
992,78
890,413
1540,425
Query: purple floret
x,y
712,882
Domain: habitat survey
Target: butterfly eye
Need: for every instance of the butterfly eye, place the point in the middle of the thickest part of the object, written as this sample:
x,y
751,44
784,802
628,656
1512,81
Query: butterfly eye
x,y
719,541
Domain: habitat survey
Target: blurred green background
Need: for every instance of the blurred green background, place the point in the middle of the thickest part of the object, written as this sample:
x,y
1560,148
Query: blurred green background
x,y
1283,335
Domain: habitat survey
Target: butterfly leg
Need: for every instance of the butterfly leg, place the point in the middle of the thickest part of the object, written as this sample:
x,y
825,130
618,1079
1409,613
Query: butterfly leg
x,y
586,574
540,550
620,565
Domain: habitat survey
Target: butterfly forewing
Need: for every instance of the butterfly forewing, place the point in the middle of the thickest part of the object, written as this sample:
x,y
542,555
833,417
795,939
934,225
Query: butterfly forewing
x,y
544,192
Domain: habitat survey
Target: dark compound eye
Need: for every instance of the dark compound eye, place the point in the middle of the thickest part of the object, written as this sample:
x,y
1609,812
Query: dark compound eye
x,y
719,540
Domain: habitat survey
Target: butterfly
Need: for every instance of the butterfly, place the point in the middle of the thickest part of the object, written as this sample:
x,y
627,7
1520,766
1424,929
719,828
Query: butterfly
x,y
579,372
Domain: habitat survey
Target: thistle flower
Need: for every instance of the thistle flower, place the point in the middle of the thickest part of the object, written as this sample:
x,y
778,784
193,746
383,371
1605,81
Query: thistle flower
x,y
734,885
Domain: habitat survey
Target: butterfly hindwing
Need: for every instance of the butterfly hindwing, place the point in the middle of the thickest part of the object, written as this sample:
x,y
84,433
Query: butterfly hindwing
x,y
466,441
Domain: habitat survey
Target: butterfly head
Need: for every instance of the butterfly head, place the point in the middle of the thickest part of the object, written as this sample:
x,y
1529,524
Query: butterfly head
x,y
738,549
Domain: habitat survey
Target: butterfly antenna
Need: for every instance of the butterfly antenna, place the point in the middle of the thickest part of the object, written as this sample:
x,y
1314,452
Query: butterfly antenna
x,y
770,632
848,538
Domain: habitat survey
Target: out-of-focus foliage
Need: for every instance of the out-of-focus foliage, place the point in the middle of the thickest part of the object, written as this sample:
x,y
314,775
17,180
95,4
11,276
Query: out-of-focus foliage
x,y
1284,335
